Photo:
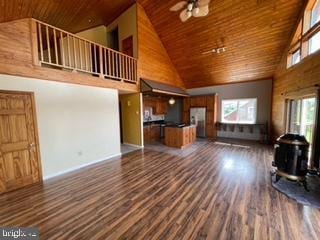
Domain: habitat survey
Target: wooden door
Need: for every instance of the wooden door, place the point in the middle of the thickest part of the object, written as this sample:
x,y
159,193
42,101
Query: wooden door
x,y
127,46
19,149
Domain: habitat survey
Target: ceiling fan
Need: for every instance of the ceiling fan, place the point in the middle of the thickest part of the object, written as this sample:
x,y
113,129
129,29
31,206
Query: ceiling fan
x,y
193,8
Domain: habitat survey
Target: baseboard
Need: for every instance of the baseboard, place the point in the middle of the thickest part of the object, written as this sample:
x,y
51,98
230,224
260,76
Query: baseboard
x,y
110,158
133,145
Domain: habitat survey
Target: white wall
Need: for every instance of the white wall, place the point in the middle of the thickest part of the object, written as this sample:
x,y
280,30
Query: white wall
x,y
127,26
97,34
262,90
77,124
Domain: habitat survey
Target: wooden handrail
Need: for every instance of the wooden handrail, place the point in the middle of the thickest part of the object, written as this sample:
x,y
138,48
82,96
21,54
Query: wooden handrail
x,y
59,48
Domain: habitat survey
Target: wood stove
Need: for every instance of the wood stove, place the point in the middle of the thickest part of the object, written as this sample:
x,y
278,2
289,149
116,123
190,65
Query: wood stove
x,y
291,158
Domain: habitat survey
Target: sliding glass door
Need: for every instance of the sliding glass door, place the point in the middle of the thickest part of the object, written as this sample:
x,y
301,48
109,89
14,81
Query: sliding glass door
x,y
302,118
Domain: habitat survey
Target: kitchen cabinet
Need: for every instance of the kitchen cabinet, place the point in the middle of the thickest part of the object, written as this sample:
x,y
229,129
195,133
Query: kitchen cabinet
x,y
186,104
180,137
199,101
151,132
161,107
210,102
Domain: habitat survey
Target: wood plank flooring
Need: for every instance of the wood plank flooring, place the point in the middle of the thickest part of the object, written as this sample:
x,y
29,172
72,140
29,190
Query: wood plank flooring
x,y
216,191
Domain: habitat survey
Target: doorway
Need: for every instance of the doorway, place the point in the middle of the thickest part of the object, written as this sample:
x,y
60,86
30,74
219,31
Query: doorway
x,y
113,39
19,148
301,119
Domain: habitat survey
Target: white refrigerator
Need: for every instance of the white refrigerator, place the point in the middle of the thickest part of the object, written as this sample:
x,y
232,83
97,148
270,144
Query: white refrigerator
x,y
198,118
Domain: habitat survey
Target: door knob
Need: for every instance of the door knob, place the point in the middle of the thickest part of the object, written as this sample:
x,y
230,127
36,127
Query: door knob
x,y
31,145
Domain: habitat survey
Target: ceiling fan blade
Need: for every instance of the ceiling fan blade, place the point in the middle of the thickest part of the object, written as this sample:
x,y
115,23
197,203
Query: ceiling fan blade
x,y
203,11
202,3
183,15
178,6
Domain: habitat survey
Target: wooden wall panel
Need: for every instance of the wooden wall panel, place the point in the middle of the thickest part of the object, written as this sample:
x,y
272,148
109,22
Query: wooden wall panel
x,y
303,75
154,62
255,34
16,59
70,15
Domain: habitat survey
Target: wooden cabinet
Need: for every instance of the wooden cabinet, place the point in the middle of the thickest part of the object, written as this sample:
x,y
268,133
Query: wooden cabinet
x,y
210,103
180,137
161,107
151,133
199,101
186,104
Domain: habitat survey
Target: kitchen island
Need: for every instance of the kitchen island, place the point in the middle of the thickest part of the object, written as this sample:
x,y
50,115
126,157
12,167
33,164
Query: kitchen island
x,y
180,136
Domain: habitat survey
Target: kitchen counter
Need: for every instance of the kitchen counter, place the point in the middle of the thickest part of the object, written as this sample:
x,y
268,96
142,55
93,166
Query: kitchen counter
x,y
180,136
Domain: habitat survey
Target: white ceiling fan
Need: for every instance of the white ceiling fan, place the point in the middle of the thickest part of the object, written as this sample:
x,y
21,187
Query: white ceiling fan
x,y
193,8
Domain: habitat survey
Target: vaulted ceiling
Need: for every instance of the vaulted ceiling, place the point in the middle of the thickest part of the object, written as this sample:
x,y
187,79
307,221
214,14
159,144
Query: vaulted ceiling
x,y
70,15
254,32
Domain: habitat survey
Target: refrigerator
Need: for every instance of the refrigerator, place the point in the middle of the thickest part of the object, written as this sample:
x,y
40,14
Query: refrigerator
x,y
198,118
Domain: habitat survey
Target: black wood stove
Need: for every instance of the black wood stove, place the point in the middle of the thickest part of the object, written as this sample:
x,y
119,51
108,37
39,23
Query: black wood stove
x,y
291,158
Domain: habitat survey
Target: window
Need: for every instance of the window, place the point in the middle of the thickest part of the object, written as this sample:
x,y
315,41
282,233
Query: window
x,y
314,43
306,39
239,111
315,13
296,56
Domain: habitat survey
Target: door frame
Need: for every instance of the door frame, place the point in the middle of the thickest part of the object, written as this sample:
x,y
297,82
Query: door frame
x,y
303,94
35,121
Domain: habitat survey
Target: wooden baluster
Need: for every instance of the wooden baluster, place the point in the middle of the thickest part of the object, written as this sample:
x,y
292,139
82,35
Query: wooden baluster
x,y
105,61
40,41
131,69
69,54
126,67
109,63
75,53
80,51
55,45
121,67
95,58
101,61
135,70
112,57
86,55
116,64
62,49
90,58
48,44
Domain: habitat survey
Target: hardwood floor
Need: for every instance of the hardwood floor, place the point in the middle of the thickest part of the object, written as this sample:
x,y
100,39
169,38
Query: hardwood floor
x,y
216,191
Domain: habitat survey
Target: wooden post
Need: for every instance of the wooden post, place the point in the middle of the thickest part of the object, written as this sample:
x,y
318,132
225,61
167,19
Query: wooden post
x,y
34,43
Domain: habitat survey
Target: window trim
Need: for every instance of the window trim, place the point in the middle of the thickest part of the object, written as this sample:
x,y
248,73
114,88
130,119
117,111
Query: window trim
x,y
297,50
238,100
312,8
301,37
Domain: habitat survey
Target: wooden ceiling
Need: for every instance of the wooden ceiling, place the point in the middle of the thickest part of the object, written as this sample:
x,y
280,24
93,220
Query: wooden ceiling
x,y
70,15
254,32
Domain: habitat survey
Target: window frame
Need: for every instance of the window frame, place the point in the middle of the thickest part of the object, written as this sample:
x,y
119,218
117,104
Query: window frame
x,y
313,7
237,121
297,50
304,32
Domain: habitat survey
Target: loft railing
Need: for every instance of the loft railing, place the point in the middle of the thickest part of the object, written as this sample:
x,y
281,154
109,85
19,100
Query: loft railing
x,y
59,49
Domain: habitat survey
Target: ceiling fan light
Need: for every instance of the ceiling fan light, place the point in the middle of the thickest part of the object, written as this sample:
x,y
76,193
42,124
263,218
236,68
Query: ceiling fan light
x,y
189,14
195,11
190,6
